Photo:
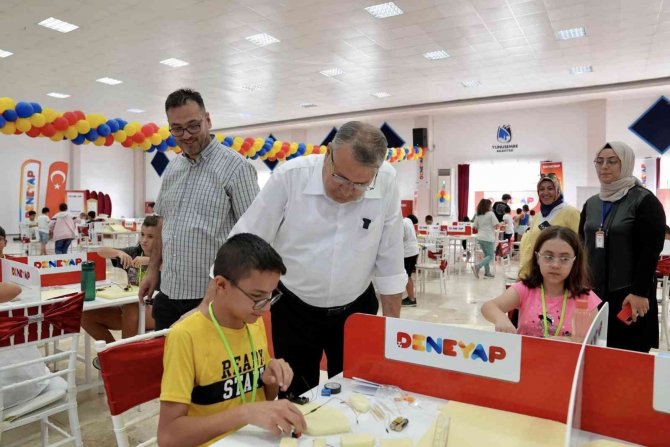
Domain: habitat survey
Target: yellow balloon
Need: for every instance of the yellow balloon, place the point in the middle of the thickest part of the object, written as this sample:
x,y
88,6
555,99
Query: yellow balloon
x,y
276,146
9,128
71,133
177,150
95,119
6,104
120,136
258,143
50,114
146,144
164,132
156,139
130,129
237,143
58,136
250,153
82,126
219,137
100,141
38,120
23,124
308,149
293,148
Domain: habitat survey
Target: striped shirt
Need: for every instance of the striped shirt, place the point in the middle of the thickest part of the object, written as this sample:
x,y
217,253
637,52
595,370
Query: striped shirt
x,y
200,201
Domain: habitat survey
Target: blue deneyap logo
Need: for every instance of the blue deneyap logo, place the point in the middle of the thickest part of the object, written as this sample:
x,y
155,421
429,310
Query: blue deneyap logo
x,y
504,133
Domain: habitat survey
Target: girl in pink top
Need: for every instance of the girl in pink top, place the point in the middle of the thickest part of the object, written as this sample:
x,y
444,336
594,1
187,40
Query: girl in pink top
x,y
546,298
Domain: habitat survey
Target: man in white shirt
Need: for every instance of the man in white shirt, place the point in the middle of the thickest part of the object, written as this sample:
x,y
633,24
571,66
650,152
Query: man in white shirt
x,y
335,219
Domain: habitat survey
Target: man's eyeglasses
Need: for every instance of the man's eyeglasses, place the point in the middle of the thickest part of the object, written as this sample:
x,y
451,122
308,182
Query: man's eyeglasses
x,y
258,304
550,259
362,187
613,161
192,129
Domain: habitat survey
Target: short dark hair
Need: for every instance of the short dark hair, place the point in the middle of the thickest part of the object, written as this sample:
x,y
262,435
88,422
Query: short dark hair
x,y
506,197
508,209
525,208
242,254
62,207
519,211
45,210
413,218
32,213
91,214
577,282
2,233
150,221
180,97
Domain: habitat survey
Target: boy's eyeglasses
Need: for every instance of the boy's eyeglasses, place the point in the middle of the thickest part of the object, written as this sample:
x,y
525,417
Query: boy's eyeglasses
x,y
550,259
258,304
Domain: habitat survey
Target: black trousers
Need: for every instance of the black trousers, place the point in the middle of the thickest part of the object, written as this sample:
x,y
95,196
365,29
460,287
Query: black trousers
x,y
167,312
301,333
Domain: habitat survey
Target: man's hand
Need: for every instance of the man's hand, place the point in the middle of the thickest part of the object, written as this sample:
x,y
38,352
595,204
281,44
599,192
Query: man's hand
x,y
639,306
278,373
148,285
277,416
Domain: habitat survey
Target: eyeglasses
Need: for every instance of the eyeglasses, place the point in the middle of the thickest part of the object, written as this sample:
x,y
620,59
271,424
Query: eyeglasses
x,y
258,304
550,259
362,187
613,161
192,129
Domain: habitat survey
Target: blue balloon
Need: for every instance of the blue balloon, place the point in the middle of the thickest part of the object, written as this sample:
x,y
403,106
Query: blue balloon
x,y
151,149
92,135
24,109
162,147
104,130
79,139
228,141
2,122
36,107
171,142
121,123
255,157
301,147
416,149
10,115
113,125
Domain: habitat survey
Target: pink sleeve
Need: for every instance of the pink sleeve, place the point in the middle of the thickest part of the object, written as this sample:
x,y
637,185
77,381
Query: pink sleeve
x,y
522,290
594,301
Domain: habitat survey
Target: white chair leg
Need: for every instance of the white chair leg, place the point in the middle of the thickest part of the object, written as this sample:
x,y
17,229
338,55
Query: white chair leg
x,y
44,429
74,425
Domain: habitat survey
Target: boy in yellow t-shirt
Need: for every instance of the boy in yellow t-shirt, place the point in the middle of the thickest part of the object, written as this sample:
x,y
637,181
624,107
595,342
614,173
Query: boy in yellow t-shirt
x,y
218,375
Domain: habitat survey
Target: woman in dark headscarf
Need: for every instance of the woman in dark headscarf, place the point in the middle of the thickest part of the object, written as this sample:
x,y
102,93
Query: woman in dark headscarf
x,y
553,211
623,229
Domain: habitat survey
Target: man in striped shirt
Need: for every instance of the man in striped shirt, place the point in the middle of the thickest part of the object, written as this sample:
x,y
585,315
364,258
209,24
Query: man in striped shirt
x,y
204,192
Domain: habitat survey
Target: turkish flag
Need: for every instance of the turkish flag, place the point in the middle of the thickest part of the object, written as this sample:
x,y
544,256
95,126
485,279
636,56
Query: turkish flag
x,y
56,186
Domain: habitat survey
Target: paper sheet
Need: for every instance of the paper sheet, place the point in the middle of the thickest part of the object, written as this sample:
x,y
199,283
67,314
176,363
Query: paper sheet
x,y
58,291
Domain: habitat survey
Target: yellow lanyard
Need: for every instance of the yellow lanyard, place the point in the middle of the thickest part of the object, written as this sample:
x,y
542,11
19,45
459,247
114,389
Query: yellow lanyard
x,y
544,313
240,387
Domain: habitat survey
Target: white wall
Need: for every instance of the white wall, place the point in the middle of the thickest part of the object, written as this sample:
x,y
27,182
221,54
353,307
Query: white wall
x,y
14,150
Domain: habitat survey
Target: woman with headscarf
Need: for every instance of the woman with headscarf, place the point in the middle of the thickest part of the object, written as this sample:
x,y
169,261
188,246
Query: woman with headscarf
x,y
553,211
622,229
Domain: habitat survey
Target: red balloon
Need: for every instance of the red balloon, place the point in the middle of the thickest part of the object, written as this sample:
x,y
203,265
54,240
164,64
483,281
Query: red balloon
x,y
249,141
17,132
272,158
281,155
34,132
71,118
127,142
61,123
109,140
155,127
147,130
48,130
79,115
285,147
138,137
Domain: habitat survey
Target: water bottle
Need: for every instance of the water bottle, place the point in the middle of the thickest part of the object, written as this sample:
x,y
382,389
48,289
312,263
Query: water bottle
x,y
88,280
581,320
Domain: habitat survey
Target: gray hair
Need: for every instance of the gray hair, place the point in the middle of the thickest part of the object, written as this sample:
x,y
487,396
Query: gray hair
x,y
367,142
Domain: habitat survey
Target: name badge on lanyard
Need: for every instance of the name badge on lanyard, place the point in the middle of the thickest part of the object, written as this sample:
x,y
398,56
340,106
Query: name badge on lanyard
x,y
607,208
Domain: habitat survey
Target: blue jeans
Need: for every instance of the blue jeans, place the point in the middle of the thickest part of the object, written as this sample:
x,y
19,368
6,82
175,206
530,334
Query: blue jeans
x,y
62,246
488,249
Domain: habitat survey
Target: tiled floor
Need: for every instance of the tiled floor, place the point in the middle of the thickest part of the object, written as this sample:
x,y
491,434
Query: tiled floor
x,y
460,305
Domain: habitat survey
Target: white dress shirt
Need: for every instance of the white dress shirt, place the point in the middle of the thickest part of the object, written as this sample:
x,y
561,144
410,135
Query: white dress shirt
x,y
330,255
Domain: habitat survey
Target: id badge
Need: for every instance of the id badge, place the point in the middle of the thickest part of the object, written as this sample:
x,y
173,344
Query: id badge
x,y
600,239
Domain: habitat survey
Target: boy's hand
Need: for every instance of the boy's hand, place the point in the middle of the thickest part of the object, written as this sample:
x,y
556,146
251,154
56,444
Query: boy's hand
x,y
505,325
125,259
279,373
277,416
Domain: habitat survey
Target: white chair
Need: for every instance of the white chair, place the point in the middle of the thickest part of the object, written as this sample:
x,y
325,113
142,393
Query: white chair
x,y
27,326
131,370
440,266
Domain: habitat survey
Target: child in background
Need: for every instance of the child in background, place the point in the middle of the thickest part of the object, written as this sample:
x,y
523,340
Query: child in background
x,y
509,223
546,298
411,248
43,230
99,322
